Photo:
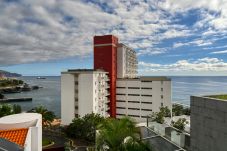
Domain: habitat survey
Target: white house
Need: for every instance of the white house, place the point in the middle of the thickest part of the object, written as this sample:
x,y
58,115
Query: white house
x,y
21,132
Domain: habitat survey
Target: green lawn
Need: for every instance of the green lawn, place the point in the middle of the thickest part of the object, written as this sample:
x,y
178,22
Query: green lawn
x,y
46,141
223,97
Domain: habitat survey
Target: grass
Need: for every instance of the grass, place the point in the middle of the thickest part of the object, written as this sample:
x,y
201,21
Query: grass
x,y
223,97
46,141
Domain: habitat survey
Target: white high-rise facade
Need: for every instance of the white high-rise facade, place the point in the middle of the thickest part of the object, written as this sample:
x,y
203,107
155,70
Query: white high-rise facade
x,y
139,97
83,92
126,62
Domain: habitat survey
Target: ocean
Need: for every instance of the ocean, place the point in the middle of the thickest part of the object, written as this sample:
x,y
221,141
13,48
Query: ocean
x,y
182,88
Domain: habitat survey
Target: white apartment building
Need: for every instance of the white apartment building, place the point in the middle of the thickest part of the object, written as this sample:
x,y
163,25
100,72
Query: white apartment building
x,y
126,62
21,132
139,97
83,91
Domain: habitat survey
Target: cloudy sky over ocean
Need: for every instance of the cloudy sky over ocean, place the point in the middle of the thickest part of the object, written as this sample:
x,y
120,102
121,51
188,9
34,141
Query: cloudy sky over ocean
x,y
171,37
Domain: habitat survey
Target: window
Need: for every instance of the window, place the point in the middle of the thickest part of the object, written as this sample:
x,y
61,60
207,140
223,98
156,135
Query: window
x,y
133,88
133,115
133,101
133,95
147,95
145,81
120,87
76,82
120,107
146,88
161,89
161,96
146,109
120,94
121,114
161,104
133,109
147,102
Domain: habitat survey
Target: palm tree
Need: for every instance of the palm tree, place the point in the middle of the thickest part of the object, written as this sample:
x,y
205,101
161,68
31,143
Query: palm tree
x,y
47,116
119,135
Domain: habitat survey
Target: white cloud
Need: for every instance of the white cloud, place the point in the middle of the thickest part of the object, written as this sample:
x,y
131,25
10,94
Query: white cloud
x,y
197,42
41,30
203,64
219,52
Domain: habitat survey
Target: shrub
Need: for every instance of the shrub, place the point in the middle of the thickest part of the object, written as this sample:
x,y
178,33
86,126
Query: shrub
x,y
180,124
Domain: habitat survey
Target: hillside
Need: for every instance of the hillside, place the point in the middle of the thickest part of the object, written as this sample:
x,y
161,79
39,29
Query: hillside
x,y
9,74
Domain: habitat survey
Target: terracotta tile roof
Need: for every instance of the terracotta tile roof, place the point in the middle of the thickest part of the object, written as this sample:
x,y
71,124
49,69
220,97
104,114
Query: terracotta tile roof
x,y
17,136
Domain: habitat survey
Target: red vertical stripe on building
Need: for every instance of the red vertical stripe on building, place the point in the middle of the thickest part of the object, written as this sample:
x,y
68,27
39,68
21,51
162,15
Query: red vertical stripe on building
x,y
105,57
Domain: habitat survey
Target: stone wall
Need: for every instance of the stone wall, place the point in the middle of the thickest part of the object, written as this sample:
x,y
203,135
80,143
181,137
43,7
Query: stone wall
x,y
208,124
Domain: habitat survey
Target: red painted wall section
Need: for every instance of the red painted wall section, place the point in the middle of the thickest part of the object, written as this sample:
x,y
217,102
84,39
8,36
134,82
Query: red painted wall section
x,y
105,57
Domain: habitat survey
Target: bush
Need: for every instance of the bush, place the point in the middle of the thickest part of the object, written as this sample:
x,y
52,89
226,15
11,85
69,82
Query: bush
x,y
180,110
180,124
159,116
85,127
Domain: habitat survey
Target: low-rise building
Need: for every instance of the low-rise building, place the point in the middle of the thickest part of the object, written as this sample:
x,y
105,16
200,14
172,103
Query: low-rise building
x,y
208,124
139,97
83,91
21,132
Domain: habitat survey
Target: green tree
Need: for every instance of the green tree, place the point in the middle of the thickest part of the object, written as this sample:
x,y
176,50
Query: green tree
x,y
85,127
47,116
5,110
177,109
166,111
187,111
16,109
180,124
158,117
119,135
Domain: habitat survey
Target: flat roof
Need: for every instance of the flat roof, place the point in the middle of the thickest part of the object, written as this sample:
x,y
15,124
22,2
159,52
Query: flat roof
x,y
220,97
19,118
146,78
84,71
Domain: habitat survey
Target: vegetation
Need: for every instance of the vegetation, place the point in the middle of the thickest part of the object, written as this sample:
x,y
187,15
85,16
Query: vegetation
x,y
223,97
47,116
159,116
6,109
1,96
85,127
46,141
165,111
119,135
180,110
180,124
10,82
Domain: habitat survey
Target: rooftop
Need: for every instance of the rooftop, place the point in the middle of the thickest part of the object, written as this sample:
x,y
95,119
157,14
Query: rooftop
x,y
147,78
84,71
17,136
222,97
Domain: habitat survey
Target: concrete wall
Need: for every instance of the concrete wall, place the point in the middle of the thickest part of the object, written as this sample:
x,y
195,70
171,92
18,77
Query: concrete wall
x,y
86,94
67,98
208,124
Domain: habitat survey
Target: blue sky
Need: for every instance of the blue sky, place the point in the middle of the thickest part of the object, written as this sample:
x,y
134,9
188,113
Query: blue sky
x,y
171,37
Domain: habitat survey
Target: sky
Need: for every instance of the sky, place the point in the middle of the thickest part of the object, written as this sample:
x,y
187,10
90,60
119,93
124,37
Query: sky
x,y
171,37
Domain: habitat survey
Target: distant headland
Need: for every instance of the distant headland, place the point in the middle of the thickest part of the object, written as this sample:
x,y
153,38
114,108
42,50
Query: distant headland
x,y
8,74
